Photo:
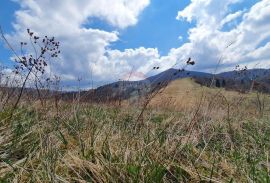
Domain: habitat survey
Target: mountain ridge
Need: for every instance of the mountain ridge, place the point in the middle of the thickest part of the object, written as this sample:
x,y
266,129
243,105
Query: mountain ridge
x,y
233,80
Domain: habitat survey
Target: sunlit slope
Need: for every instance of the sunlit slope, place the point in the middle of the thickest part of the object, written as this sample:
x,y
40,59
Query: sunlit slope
x,y
179,93
185,94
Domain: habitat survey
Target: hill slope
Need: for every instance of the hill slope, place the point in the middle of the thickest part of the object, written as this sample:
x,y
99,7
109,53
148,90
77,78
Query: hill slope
x,y
186,93
233,80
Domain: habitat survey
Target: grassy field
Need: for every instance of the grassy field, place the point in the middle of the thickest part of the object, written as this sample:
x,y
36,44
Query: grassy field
x,y
187,133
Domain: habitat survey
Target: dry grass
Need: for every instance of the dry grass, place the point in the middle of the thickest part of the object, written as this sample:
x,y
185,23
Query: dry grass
x,y
186,95
189,134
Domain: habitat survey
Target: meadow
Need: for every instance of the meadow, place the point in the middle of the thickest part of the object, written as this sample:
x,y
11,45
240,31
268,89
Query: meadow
x,y
176,131
184,133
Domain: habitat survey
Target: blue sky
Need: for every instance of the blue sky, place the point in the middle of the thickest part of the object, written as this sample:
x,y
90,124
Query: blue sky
x,y
7,9
157,28
108,39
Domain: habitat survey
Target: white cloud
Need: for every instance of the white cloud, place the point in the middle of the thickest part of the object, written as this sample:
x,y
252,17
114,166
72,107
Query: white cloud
x,y
119,13
208,41
83,49
206,11
231,17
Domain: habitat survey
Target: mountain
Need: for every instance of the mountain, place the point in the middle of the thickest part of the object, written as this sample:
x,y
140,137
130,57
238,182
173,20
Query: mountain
x,y
246,80
245,74
173,74
127,89
232,80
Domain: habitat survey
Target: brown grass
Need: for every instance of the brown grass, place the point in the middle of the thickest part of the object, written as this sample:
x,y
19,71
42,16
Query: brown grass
x,y
189,134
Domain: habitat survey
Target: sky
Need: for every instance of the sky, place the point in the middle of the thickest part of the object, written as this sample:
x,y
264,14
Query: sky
x,y
103,41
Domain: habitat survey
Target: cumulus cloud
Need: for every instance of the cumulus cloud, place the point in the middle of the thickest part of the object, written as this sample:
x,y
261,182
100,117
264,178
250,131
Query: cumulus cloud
x,y
119,13
206,11
209,42
84,50
231,17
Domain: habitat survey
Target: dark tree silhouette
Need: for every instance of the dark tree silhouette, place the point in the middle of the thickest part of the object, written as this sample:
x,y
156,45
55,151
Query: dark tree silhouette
x,y
218,83
223,83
